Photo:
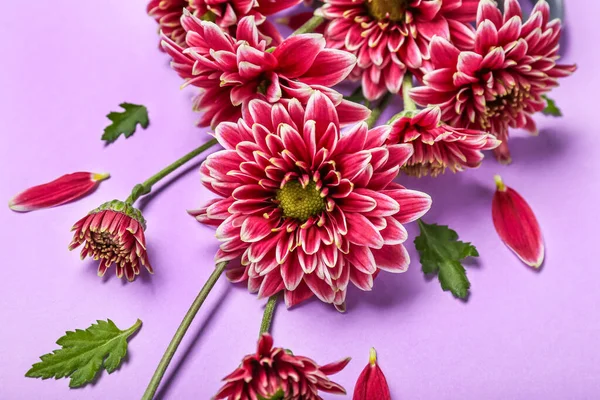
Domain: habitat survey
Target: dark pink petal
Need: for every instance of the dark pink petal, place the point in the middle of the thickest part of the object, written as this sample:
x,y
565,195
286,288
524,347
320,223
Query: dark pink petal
x,y
60,191
298,53
329,68
371,383
517,225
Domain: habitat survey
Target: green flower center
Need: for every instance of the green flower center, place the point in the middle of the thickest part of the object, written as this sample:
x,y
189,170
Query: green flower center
x,y
298,202
392,9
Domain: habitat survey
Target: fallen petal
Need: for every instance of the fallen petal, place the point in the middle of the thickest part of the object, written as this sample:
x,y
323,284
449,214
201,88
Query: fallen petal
x,y
371,383
60,191
517,225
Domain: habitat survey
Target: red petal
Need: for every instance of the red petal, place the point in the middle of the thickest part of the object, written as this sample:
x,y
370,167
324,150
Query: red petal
x,y
60,191
371,383
517,226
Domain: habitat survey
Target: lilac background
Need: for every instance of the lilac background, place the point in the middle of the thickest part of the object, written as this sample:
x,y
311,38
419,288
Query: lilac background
x,y
522,334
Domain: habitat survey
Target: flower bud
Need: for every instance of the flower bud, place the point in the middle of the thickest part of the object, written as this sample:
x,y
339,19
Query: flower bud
x,y
60,191
516,225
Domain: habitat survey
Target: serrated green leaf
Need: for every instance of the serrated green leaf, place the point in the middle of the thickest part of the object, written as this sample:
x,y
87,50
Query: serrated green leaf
x,y
125,123
441,253
84,353
551,108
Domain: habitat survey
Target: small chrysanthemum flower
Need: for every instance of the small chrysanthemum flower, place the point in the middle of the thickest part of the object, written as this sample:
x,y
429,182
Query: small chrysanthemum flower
x,y
438,146
227,13
307,209
113,233
273,373
391,36
167,13
501,82
232,71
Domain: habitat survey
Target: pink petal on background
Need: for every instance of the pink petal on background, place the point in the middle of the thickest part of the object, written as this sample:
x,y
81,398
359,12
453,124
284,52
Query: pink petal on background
x,y
60,191
371,383
517,225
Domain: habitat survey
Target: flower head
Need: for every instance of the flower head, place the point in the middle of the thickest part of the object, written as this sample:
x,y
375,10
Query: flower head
x,y
231,72
438,146
167,13
307,209
227,13
500,83
391,36
113,233
275,373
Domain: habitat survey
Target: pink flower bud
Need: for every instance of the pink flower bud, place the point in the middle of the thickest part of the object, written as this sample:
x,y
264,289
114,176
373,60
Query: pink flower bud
x,y
60,191
516,225
371,383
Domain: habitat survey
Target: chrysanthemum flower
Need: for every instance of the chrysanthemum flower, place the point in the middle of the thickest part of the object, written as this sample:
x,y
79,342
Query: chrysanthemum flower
x,y
227,13
438,146
113,233
389,36
167,13
307,209
231,72
275,373
501,82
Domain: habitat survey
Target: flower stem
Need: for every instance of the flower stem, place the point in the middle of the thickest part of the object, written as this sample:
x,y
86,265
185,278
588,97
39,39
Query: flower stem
x,y
144,188
407,84
268,315
309,26
376,113
180,333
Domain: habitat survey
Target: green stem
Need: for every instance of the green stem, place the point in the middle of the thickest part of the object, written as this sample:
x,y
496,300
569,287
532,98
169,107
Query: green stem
x,y
268,315
376,113
180,333
144,188
309,26
407,84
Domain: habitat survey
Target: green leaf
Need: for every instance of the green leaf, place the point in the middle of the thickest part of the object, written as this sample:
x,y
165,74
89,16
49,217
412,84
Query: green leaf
x,y
84,352
441,253
125,123
551,108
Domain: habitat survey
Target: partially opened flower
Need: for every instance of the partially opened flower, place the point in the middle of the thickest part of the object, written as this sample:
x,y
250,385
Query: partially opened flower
x,y
62,190
167,13
517,225
307,209
501,82
391,36
274,373
113,233
231,72
371,383
438,146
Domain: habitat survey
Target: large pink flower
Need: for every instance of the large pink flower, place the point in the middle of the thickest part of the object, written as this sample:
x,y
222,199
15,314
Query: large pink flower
x,y
389,36
305,208
275,373
438,146
501,82
231,72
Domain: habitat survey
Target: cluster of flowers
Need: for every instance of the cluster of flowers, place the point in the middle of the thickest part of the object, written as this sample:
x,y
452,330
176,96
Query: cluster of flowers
x,y
306,199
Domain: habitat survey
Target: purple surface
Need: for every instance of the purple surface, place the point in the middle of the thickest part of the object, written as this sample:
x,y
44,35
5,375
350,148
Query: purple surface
x,y
522,334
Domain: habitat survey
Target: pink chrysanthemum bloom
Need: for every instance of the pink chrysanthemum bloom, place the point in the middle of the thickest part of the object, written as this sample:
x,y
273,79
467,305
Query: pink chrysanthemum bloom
x,y
389,36
227,13
273,373
167,13
231,72
113,233
501,82
306,208
438,146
